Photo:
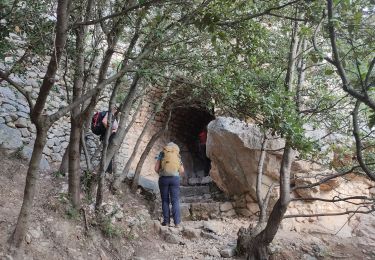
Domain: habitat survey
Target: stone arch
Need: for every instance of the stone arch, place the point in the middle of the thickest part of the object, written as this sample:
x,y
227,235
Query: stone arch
x,y
186,123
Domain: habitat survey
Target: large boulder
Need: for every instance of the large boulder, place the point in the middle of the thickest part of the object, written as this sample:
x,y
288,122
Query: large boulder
x,y
234,148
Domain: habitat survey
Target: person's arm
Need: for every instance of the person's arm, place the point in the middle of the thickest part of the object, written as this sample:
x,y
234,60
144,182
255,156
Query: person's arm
x,y
157,166
181,170
105,120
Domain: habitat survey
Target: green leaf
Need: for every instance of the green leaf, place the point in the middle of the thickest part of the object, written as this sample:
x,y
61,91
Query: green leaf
x,y
328,72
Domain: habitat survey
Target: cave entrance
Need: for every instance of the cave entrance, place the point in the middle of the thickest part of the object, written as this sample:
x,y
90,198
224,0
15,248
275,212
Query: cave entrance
x,y
185,127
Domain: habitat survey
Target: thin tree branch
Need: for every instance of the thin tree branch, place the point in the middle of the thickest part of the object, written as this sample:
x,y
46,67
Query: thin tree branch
x,y
330,214
358,143
122,13
251,16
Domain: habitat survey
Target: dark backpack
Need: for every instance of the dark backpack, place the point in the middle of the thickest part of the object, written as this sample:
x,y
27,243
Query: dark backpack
x,y
97,126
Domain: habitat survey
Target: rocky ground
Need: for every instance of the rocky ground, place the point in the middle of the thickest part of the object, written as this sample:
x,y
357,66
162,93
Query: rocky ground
x,y
128,231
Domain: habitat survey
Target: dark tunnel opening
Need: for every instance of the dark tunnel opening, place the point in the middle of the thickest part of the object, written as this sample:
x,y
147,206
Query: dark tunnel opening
x,y
186,125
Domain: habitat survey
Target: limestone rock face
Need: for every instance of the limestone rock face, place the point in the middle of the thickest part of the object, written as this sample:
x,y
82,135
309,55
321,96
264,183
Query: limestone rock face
x,y
234,149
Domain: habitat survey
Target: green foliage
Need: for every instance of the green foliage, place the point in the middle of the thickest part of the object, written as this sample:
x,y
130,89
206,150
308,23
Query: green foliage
x,y
58,174
72,213
110,230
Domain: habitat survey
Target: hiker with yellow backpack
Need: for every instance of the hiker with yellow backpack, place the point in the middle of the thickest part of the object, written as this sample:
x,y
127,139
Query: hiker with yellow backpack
x,y
169,167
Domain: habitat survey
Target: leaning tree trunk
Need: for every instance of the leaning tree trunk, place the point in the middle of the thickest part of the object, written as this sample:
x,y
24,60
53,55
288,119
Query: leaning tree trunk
x,y
30,187
146,151
255,245
121,177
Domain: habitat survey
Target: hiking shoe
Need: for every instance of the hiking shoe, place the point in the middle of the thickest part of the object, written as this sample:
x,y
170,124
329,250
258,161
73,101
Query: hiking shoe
x,y
164,224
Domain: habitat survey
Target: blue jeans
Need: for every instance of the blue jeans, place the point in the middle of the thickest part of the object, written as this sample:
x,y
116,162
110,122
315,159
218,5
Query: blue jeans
x,y
170,191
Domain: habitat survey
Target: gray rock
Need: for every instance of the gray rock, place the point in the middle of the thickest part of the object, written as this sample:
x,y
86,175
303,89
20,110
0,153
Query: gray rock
x,y
26,153
10,138
228,252
11,125
56,149
47,151
2,120
25,132
7,93
8,119
21,122
210,227
32,82
226,206
56,157
308,257
171,238
206,180
23,114
190,233
24,109
9,107
209,235
213,252
13,116
50,143
28,238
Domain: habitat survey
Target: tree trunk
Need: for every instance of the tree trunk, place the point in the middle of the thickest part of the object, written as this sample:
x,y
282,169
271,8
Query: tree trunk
x,y
85,151
30,188
64,166
255,245
146,151
120,177
74,164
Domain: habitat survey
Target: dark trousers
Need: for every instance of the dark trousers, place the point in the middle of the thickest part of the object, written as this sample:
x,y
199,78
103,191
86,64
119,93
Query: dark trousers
x,y
170,192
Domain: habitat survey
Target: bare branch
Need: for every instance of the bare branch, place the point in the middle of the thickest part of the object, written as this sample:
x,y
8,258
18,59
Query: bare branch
x,y
252,16
335,199
370,68
325,179
122,13
331,214
358,143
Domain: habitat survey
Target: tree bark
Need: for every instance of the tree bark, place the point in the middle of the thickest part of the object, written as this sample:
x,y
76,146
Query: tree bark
x,y
74,164
30,188
64,166
120,177
146,151
256,246
42,122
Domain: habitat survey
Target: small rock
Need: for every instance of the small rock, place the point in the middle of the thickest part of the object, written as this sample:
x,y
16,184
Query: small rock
x,y
213,252
190,233
209,235
226,206
28,238
228,252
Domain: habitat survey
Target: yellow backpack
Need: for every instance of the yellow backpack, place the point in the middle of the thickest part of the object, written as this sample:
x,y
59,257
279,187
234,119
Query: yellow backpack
x,y
171,161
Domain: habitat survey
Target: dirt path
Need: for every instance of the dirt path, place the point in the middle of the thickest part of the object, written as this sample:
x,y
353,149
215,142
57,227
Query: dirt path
x,y
129,232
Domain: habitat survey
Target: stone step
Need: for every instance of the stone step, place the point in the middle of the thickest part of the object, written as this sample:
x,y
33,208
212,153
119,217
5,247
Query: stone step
x,y
189,191
193,199
200,210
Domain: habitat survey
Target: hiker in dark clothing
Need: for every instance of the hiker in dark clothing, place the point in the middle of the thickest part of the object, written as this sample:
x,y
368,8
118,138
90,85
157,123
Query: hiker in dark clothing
x,y
202,136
